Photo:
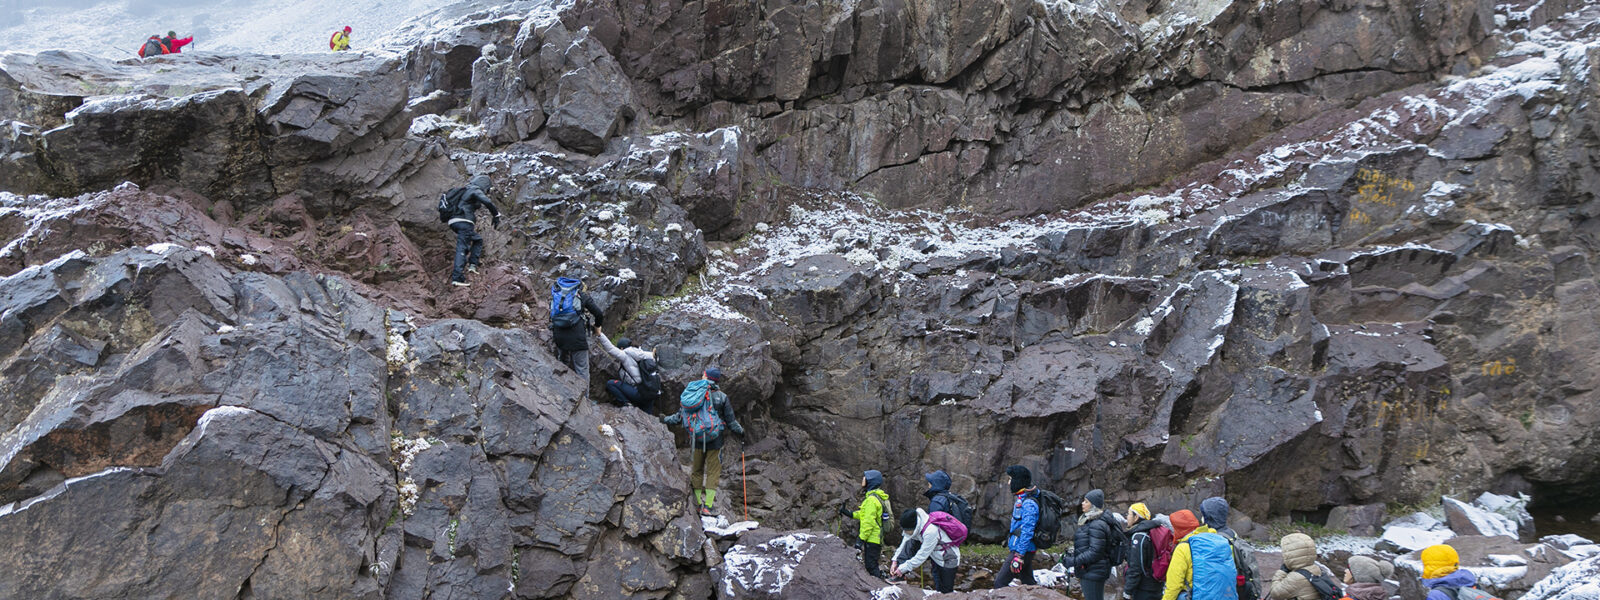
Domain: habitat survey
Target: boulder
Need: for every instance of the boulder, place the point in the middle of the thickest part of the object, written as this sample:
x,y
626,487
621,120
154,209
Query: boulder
x,y
1503,566
1363,520
1575,581
1469,519
800,564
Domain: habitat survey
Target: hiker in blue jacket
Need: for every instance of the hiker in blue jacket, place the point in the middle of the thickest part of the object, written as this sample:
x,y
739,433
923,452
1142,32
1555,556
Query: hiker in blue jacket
x,y
938,492
1024,518
704,408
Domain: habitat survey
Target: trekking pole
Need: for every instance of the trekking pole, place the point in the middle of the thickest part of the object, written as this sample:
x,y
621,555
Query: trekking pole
x,y
745,482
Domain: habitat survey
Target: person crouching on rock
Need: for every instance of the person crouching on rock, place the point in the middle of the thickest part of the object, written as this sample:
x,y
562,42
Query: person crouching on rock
x,y
569,326
870,516
638,378
459,208
704,410
1024,519
1364,579
924,537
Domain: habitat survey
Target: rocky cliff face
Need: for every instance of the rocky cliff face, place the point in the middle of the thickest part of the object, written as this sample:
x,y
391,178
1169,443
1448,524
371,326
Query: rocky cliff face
x,y
1303,255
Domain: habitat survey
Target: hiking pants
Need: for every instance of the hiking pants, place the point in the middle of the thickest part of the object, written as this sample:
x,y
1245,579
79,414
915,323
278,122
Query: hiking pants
x,y
705,469
625,394
1138,594
469,249
1003,578
944,578
869,557
1093,590
578,361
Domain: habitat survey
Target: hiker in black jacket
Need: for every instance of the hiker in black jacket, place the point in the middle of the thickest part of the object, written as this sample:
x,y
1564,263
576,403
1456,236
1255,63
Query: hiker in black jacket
x,y
469,245
1096,547
569,327
1146,536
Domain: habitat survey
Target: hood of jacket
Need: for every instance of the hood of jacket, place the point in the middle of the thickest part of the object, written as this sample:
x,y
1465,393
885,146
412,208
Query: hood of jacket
x,y
1143,526
1460,578
1214,512
1299,551
940,482
874,479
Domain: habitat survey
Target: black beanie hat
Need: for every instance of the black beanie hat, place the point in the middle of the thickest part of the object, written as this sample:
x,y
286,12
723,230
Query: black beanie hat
x,y
1021,478
908,519
1096,498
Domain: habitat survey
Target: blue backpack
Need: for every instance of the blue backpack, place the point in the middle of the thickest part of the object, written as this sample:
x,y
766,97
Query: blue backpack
x,y
699,416
1214,575
564,303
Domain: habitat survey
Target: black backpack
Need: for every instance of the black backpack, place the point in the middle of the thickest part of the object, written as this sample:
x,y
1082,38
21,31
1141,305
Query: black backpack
x,y
450,204
1117,552
649,379
1326,588
958,507
1048,531
1244,563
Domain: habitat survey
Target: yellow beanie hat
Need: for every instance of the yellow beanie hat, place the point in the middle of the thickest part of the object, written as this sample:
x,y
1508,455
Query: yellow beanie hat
x,y
1439,560
1140,509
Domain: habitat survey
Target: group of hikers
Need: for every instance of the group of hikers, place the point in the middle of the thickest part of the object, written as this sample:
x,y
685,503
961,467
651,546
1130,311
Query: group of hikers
x,y
157,45
1165,557
1162,557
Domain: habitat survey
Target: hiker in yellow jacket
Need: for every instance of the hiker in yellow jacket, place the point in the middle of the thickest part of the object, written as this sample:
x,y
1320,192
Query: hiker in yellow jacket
x,y
340,41
1213,579
870,516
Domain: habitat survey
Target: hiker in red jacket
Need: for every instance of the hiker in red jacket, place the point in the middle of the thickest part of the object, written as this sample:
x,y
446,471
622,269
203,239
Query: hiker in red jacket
x,y
174,43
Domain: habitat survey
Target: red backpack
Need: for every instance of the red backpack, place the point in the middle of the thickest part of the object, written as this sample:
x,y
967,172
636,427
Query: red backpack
x,y
1161,538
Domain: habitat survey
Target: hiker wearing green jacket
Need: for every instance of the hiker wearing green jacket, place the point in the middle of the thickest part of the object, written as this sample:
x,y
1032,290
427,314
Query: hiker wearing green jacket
x,y
874,505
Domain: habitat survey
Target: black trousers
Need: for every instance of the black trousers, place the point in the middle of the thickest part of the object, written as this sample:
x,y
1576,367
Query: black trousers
x,y
469,249
869,557
627,394
944,578
1003,578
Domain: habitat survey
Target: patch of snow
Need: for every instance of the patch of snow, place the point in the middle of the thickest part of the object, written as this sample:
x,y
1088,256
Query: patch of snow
x,y
225,329
1574,581
164,247
888,592
1485,521
721,527
248,259
765,568
673,227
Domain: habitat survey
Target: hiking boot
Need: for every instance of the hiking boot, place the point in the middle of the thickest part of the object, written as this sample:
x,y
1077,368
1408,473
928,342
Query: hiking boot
x,y
460,283
705,511
472,269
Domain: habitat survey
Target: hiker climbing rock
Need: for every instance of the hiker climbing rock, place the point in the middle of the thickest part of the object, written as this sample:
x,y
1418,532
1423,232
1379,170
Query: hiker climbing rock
x,y
638,379
569,326
458,208
1149,552
1024,519
340,41
936,536
1097,546
870,515
174,43
704,410
1202,562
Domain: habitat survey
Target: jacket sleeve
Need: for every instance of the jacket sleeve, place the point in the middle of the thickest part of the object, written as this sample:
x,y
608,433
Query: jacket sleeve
x,y
903,553
1022,531
181,42
1096,551
1179,573
612,349
594,309
870,516
483,200
676,418
725,410
930,541
939,503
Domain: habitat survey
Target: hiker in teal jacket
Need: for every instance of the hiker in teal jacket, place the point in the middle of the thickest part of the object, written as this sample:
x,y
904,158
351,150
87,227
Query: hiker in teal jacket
x,y
706,459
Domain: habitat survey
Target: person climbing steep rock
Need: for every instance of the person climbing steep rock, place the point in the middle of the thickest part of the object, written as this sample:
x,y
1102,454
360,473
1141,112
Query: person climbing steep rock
x,y
340,41
925,537
705,411
1096,547
638,377
1202,562
569,326
1293,580
458,209
1149,551
1365,576
1024,518
870,516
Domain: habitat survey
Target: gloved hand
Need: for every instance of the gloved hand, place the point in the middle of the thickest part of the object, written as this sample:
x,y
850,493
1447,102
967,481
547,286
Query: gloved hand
x,y
739,431
664,418
1016,563
844,512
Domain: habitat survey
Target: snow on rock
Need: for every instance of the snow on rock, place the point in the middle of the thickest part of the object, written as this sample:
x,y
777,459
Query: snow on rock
x,y
765,568
1415,532
1470,519
720,527
1575,581
1513,508
1052,577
